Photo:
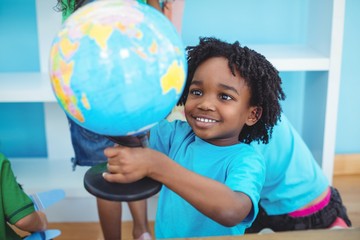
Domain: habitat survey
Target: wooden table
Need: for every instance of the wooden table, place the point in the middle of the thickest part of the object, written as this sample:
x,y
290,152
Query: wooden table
x,y
333,234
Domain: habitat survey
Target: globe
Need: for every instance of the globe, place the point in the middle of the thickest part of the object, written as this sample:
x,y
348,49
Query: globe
x,y
117,67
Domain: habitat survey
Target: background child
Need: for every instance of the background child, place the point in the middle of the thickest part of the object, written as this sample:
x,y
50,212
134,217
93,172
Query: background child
x,y
296,194
212,177
16,207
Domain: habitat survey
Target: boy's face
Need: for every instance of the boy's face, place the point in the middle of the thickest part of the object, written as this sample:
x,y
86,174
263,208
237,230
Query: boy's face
x,y
217,106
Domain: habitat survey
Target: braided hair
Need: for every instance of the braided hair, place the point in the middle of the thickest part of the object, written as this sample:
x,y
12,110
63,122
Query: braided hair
x,y
260,76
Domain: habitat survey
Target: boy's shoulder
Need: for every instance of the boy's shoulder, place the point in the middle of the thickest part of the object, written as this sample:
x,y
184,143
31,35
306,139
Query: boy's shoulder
x,y
247,150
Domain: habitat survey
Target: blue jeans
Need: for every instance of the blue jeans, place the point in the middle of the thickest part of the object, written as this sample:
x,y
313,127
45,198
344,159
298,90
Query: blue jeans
x,y
88,146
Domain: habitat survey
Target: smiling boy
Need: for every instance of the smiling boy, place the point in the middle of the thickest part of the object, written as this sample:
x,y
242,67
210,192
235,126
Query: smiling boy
x,y
212,177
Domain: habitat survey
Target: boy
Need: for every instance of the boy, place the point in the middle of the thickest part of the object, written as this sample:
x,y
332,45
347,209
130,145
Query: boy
x,y
212,177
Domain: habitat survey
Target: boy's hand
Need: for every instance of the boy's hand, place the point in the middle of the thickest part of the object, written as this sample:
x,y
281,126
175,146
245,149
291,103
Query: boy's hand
x,y
127,164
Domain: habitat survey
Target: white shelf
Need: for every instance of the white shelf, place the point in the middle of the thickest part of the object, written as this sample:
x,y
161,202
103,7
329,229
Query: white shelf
x,y
36,87
47,174
294,57
42,174
25,87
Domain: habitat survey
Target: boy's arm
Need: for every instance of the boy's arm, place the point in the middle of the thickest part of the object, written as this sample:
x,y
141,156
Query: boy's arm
x,y
210,197
34,222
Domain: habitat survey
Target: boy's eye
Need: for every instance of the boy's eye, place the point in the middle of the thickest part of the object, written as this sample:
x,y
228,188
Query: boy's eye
x,y
195,92
225,97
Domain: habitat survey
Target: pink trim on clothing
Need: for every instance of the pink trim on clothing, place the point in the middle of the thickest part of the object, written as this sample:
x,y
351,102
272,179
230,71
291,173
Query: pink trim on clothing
x,y
314,208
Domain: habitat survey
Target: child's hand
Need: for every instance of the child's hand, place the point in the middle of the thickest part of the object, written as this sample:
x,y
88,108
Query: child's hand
x,y
127,164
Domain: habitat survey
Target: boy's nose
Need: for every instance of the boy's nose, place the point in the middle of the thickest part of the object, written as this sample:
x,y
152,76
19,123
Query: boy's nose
x,y
206,104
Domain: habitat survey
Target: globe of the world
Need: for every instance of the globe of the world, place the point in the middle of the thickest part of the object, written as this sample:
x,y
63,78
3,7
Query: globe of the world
x,y
117,67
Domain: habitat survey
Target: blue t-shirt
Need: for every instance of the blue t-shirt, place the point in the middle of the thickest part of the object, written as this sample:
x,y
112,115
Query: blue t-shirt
x,y
238,166
293,177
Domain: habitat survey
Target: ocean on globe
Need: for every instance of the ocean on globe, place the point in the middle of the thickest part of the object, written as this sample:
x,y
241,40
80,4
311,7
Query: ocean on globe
x,y
117,67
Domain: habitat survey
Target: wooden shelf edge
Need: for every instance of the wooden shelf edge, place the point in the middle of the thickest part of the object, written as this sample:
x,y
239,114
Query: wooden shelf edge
x,y
347,164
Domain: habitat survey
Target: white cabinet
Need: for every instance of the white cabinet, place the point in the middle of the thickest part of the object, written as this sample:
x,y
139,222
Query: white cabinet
x,y
320,57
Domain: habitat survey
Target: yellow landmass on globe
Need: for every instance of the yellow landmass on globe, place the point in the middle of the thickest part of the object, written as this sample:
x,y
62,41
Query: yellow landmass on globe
x,y
129,30
173,79
66,100
55,58
67,47
139,51
85,101
100,34
61,78
120,26
153,47
66,70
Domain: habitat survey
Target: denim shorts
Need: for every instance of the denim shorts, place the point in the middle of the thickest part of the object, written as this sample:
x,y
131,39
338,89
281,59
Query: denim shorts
x,y
88,146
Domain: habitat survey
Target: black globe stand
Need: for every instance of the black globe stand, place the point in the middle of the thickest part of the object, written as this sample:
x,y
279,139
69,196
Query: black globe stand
x,y
96,185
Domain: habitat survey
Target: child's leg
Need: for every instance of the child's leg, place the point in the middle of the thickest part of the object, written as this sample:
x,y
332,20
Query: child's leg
x,y
138,211
110,218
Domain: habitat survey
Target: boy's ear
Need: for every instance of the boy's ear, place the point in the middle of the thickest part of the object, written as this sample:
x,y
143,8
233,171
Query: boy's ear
x,y
254,116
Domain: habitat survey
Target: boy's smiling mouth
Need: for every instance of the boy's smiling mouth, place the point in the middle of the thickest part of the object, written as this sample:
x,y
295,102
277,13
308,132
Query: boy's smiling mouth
x,y
205,120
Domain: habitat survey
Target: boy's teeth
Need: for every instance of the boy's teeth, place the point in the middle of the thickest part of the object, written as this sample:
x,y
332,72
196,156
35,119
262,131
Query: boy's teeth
x,y
205,120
